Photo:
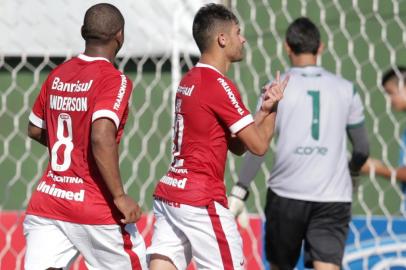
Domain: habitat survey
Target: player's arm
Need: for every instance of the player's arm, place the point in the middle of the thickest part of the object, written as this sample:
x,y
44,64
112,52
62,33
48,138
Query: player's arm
x,y
37,134
36,129
357,133
256,137
360,152
261,130
239,193
382,170
236,146
105,152
360,148
401,174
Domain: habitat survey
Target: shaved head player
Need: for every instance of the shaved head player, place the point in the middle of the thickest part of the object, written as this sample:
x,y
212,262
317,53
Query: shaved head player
x,y
79,205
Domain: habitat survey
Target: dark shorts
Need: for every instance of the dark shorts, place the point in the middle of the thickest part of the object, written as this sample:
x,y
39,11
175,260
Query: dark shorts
x,y
322,226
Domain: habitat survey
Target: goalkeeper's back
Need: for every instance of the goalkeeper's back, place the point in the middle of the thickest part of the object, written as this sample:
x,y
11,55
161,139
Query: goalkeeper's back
x,y
311,162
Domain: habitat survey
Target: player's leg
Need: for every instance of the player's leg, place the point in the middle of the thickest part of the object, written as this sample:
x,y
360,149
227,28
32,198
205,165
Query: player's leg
x,y
47,246
317,265
170,249
326,235
213,235
285,227
158,261
109,246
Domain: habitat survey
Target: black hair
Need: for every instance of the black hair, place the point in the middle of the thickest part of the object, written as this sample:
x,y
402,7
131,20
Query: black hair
x,y
206,20
392,74
102,21
303,36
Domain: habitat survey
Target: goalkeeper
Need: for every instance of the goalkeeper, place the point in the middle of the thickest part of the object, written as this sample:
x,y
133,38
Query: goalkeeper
x,y
310,188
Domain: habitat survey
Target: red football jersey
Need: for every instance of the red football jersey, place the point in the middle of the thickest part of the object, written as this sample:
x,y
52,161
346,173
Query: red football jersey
x,y
75,94
208,109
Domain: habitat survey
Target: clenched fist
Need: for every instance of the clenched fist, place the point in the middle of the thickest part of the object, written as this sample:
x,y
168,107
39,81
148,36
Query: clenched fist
x,y
129,208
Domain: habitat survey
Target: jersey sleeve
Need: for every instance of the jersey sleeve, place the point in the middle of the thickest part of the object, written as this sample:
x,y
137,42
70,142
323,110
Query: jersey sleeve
x,y
228,106
37,115
113,98
356,115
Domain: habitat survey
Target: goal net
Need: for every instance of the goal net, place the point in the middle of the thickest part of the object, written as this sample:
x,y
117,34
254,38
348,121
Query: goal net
x,y
362,40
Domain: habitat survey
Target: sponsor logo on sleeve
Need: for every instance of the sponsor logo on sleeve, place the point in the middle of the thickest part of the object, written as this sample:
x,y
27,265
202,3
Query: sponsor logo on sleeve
x,y
231,95
184,90
121,93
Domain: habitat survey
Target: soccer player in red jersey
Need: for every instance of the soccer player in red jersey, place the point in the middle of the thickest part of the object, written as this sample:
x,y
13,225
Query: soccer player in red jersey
x,y
79,205
190,206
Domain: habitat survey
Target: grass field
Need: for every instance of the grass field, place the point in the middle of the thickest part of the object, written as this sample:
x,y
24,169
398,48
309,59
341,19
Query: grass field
x,y
359,46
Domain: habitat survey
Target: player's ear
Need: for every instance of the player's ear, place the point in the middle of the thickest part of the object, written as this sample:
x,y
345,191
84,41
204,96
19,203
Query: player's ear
x,y
320,49
222,40
82,32
287,48
119,37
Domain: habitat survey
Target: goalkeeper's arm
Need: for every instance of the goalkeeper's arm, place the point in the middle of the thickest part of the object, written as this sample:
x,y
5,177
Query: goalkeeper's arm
x,y
239,192
360,148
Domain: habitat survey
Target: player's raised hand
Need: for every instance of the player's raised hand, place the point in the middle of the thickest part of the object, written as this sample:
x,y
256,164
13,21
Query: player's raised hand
x,y
273,92
129,208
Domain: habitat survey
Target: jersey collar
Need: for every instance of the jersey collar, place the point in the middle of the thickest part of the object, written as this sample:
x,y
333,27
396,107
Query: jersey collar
x,y
90,58
208,66
307,70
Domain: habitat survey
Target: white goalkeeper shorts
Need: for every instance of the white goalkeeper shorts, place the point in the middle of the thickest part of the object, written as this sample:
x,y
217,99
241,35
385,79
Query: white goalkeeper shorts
x,y
55,243
208,234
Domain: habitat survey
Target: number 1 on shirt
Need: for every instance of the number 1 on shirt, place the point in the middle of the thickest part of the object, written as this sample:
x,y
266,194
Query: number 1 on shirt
x,y
315,95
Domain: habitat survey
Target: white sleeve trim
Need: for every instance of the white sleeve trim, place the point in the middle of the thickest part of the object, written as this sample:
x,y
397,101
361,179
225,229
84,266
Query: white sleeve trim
x,y
106,113
38,122
242,123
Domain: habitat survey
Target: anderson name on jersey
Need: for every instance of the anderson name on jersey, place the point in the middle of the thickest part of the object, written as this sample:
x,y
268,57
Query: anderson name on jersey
x,y
208,109
75,94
